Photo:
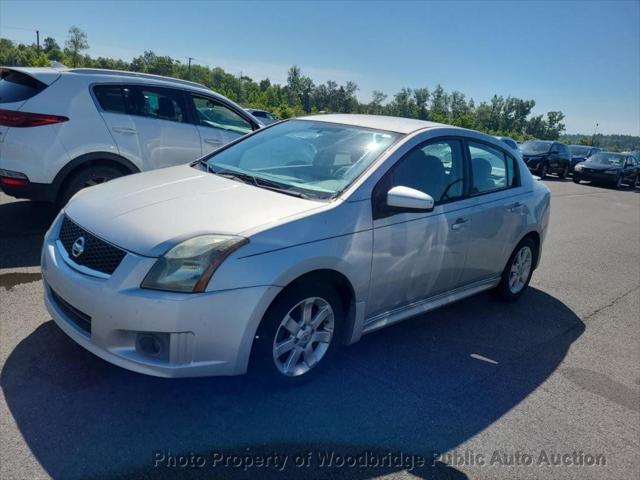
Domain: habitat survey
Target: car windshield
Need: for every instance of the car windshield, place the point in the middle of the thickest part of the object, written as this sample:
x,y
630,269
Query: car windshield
x,y
534,147
607,158
579,150
311,158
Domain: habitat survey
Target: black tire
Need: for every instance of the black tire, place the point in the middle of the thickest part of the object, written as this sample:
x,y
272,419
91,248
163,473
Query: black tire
x,y
576,180
263,364
618,184
565,172
636,182
502,291
543,170
85,178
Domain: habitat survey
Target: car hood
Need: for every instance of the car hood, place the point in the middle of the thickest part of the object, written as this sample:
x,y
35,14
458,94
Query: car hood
x,y
599,166
149,213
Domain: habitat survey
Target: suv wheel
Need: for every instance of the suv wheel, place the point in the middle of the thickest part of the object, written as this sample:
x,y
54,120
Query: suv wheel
x,y
543,170
565,172
517,273
88,177
299,333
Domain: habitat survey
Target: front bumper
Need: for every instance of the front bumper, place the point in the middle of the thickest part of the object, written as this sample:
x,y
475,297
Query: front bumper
x,y
206,334
595,176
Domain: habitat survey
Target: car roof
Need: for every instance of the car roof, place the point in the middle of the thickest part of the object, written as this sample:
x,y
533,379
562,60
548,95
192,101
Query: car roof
x,y
379,122
105,74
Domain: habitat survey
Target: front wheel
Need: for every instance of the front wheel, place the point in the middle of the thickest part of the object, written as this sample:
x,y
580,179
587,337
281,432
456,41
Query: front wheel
x,y
576,179
299,333
517,274
543,169
565,172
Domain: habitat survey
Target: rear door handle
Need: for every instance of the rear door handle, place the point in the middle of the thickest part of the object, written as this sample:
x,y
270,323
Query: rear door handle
x,y
124,130
514,207
458,224
213,141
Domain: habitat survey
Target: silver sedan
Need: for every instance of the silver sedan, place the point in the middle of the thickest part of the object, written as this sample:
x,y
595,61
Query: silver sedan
x,y
273,251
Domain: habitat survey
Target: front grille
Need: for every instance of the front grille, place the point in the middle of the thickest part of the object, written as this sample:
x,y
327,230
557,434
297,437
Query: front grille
x,y
97,254
80,319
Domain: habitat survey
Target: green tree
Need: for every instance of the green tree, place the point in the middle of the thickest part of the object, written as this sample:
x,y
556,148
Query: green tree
x,y
75,44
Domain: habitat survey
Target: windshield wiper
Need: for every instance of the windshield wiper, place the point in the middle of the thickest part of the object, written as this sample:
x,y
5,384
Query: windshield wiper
x,y
256,181
287,191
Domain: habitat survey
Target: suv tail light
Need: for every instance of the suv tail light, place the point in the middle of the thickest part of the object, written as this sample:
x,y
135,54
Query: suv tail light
x,y
13,118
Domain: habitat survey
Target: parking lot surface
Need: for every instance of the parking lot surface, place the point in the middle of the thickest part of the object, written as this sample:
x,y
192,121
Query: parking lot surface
x,y
478,389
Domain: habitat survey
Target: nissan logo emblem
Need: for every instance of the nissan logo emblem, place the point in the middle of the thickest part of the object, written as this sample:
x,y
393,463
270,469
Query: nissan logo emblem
x,y
78,247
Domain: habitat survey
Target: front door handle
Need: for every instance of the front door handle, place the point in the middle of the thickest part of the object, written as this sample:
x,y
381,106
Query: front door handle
x,y
124,130
514,207
213,141
458,224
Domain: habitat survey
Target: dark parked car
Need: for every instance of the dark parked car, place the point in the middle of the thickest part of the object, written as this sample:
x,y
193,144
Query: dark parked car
x,y
580,153
610,168
545,156
264,117
509,141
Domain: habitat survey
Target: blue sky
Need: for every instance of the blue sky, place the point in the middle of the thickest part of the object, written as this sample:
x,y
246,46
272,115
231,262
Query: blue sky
x,y
580,57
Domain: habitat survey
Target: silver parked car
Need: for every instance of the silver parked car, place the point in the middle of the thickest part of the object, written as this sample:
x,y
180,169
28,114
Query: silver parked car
x,y
290,241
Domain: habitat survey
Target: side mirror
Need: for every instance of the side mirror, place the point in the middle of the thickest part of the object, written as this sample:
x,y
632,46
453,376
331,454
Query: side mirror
x,y
409,199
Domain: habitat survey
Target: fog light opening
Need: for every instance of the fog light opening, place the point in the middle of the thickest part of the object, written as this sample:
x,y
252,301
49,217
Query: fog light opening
x,y
152,345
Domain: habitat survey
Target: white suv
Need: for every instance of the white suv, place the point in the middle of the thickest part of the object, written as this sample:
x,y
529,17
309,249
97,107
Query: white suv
x,y
65,129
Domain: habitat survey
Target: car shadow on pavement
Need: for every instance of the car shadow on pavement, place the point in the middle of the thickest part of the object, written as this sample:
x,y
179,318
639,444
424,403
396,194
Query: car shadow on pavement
x,y
22,228
415,389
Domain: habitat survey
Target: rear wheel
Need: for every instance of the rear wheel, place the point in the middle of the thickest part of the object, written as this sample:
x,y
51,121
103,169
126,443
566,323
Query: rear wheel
x,y
299,333
517,273
565,172
88,177
619,182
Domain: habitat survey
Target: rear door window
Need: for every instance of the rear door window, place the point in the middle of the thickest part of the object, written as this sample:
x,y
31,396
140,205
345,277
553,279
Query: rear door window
x,y
17,87
492,169
110,98
159,103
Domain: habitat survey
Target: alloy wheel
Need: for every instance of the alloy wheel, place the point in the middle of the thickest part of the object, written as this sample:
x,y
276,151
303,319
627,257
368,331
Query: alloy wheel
x,y
520,269
619,181
95,181
543,171
303,336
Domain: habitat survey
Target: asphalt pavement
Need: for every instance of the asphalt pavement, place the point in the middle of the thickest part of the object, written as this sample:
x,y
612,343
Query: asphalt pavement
x,y
547,387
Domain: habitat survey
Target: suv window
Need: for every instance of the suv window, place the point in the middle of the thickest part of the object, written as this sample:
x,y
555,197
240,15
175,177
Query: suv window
x,y
160,103
110,98
491,168
435,168
213,114
16,86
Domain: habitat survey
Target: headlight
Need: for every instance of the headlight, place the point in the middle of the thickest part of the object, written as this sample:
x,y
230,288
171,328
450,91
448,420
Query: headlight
x,y
188,266
578,167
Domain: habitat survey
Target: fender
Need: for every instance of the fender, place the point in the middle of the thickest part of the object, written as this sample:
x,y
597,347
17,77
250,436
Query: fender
x,y
88,159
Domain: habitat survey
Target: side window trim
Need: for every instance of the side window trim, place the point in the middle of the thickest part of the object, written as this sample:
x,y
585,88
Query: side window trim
x,y
379,211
